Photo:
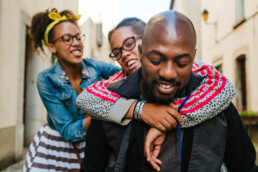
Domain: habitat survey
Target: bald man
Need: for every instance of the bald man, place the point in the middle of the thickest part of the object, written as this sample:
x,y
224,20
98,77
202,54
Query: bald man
x,y
168,52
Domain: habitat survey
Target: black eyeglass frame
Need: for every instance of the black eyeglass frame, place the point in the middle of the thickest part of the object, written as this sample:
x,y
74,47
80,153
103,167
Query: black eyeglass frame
x,y
81,39
122,47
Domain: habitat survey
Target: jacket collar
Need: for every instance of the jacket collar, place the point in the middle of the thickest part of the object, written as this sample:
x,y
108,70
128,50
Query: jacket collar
x,y
130,88
62,75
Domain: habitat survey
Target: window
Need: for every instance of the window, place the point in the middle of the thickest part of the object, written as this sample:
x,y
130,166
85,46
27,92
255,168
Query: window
x,y
99,38
241,96
217,63
219,68
239,10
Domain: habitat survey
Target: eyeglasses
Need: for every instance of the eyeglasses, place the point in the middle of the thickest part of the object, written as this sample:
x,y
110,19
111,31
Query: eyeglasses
x,y
128,45
68,39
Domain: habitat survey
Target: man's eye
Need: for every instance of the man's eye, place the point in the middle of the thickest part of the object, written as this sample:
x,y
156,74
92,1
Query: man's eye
x,y
155,59
155,62
181,65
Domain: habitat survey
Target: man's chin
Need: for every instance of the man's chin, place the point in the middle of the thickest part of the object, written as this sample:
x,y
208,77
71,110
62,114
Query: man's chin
x,y
163,99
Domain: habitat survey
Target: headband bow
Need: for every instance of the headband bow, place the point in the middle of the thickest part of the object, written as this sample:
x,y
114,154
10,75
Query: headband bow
x,y
57,18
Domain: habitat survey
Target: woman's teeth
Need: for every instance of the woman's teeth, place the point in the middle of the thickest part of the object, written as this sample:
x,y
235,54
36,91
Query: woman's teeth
x,y
76,52
130,63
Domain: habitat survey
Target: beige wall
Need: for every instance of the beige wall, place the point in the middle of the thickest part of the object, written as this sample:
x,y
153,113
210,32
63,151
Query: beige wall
x,y
94,13
222,41
15,15
192,10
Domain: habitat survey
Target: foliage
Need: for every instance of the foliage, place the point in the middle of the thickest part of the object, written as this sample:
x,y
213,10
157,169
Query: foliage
x,y
248,113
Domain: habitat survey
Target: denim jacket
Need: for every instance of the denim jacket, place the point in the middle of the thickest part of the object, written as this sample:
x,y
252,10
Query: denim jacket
x,y
59,97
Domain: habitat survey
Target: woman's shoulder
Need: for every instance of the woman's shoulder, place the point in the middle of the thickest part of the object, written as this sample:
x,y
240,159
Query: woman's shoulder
x,y
90,61
47,71
47,74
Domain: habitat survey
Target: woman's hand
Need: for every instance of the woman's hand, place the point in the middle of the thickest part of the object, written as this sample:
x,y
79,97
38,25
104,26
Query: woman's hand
x,y
86,123
162,117
152,147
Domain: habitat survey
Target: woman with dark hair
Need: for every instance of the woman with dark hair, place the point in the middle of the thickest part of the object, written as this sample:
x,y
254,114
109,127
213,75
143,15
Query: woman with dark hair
x,y
58,146
204,103
125,42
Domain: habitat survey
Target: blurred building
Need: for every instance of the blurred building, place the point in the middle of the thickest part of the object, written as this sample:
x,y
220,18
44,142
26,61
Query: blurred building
x,y
228,40
98,18
21,110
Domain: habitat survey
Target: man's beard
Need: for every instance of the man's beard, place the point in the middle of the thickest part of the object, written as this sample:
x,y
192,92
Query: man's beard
x,y
150,93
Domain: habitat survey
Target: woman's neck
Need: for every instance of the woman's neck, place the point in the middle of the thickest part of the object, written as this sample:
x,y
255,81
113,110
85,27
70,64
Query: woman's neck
x,y
73,72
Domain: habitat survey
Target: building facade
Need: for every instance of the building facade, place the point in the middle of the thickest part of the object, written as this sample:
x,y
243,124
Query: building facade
x,y
228,40
98,18
21,110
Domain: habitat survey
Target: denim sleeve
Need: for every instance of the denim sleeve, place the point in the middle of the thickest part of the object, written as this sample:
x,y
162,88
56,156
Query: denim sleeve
x,y
63,121
106,69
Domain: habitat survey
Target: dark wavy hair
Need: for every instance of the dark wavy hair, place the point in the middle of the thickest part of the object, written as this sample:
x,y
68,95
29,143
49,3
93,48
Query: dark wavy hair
x,y
137,25
39,23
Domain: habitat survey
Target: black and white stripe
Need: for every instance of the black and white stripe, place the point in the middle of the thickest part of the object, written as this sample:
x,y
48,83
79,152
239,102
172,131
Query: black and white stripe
x,y
50,152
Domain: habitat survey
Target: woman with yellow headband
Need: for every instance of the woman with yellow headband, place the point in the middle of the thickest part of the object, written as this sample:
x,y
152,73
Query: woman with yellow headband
x,y
58,146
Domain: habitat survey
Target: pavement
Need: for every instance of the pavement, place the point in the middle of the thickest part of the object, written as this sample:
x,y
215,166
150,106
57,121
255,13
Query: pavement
x,y
17,167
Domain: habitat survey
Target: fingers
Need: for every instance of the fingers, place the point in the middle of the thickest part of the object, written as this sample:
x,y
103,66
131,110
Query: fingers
x,y
154,162
173,123
174,106
176,115
147,149
148,144
160,127
162,117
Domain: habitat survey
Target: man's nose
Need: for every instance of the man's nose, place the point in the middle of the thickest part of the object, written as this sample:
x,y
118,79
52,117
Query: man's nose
x,y
168,71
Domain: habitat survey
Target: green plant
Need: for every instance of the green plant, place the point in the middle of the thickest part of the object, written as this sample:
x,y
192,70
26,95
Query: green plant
x,y
248,113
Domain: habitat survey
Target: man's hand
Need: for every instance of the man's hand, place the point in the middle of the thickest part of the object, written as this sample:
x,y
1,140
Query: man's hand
x,y
162,117
152,147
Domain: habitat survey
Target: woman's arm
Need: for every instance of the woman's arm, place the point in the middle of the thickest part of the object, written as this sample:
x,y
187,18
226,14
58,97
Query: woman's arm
x,y
100,103
214,95
105,69
205,101
61,118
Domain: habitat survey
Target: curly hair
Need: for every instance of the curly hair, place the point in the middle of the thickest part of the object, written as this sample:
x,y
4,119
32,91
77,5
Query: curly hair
x,y
39,23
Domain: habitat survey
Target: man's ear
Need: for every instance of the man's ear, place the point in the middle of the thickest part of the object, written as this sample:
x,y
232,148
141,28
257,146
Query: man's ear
x,y
51,47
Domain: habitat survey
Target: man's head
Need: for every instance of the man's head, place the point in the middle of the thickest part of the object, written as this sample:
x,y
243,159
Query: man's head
x,y
168,52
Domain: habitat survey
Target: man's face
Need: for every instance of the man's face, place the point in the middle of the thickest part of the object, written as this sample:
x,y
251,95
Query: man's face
x,y
167,59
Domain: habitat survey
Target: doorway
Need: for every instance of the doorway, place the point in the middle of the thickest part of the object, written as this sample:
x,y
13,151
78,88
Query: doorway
x,y
31,102
241,97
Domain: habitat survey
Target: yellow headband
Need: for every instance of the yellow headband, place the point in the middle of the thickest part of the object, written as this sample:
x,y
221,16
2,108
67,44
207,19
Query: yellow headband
x,y
57,18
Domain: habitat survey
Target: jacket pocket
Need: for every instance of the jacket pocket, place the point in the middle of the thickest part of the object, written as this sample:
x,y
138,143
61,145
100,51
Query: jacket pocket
x,y
64,95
